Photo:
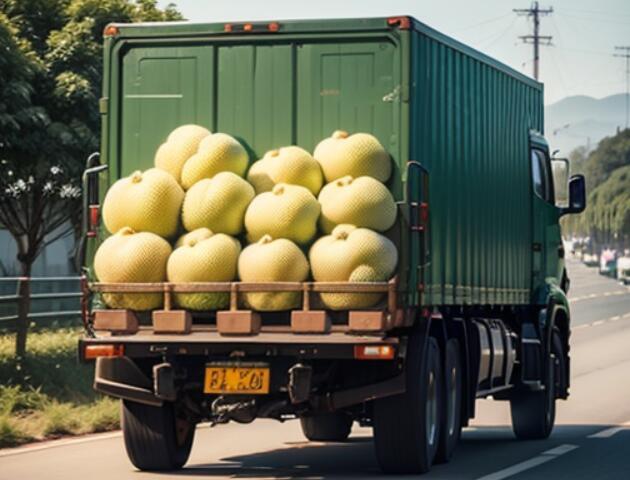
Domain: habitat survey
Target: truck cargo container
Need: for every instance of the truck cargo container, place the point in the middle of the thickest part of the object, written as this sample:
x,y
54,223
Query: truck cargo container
x,y
477,307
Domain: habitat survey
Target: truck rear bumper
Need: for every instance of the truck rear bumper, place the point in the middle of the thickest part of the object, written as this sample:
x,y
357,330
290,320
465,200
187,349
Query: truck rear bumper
x,y
121,376
145,343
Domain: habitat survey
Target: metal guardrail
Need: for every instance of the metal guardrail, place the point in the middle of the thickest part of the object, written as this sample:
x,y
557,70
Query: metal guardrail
x,y
10,299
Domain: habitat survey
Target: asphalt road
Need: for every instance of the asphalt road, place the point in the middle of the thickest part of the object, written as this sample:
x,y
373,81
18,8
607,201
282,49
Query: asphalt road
x,y
591,439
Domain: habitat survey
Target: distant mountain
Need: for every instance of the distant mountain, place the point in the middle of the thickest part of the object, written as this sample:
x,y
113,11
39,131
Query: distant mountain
x,y
581,120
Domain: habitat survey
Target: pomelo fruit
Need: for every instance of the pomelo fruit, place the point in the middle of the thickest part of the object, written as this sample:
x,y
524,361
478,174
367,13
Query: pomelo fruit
x,y
217,203
147,201
181,144
270,260
292,165
355,155
130,257
202,256
352,254
287,211
217,152
362,202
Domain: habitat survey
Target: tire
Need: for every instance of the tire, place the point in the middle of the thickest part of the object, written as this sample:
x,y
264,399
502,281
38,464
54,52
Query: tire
x,y
534,413
328,427
451,429
407,426
151,437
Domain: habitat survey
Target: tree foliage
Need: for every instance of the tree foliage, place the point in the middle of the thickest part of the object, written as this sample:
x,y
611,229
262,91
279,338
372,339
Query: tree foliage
x,y
607,170
50,79
611,153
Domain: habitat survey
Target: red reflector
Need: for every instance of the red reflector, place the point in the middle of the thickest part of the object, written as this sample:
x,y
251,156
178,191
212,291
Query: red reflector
x,y
94,219
374,352
248,27
403,23
110,31
273,27
94,216
95,351
424,213
227,27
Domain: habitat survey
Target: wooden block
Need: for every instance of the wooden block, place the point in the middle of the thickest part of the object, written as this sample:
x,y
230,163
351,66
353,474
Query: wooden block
x,y
238,322
367,321
116,321
311,321
172,321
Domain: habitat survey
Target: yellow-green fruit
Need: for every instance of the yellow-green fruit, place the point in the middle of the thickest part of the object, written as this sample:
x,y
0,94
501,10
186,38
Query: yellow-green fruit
x,y
287,211
147,201
362,202
355,155
352,254
181,144
271,260
130,257
292,165
217,203
218,152
202,256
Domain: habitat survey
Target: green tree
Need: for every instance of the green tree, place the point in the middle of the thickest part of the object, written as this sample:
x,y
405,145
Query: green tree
x,y
50,79
611,153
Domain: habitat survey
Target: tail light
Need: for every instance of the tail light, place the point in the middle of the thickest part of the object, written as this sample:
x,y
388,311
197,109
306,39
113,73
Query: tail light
x,y
374,352
94,220
91,352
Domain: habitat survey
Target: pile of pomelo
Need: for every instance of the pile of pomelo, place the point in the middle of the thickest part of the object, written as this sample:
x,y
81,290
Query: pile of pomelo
x,y
290,216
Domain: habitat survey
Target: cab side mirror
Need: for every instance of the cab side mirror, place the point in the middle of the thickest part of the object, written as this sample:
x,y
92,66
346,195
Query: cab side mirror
x,y
577,195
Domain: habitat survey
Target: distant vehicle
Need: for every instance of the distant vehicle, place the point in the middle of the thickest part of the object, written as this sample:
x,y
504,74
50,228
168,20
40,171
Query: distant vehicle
x,y
478,307
590,259
623,269
608,263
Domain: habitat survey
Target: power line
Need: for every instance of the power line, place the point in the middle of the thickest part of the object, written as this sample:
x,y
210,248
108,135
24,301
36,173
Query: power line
x,y
535,12
626,55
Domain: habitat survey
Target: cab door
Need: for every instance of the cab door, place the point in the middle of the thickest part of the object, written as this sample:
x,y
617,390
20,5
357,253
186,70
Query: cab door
x,y
547,249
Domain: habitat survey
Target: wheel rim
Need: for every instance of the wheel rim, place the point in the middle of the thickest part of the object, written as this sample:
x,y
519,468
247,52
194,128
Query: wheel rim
x,y
431,410
452,401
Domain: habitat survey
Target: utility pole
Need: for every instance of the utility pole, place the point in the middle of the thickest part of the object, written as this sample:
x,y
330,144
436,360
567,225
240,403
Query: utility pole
x,y
626,55
535,12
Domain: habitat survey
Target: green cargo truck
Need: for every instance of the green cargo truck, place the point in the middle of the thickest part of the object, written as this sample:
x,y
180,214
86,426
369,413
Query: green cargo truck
x,y
478,306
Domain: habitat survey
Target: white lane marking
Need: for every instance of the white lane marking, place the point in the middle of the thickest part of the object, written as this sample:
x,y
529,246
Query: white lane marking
x,y
609,432
544,457
598,295
57,443
46,444
602,321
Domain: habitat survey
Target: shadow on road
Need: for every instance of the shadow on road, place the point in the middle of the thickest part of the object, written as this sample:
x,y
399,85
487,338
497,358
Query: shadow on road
x,y
482,450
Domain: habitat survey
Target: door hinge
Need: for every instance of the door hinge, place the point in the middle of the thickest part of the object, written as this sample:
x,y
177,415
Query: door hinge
x,y
103,105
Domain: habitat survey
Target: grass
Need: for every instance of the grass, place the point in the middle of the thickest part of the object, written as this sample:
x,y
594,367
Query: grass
x,y
48,393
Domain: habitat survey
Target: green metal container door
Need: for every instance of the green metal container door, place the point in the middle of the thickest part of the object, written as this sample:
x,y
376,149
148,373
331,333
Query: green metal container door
x,y
162,88
471,120
266,95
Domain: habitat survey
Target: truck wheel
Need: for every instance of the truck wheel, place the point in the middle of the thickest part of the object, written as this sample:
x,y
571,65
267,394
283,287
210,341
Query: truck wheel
x,y
534,413
327,427
452,419
155,439
407,426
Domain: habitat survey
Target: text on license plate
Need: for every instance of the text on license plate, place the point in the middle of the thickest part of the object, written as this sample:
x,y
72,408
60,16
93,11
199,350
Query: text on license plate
x,y
248,380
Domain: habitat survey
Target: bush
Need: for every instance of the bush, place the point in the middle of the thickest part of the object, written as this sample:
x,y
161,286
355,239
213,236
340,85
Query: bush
x,y
49,393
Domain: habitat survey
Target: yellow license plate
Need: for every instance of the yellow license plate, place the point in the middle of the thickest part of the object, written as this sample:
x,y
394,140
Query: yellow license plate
x,y
246,380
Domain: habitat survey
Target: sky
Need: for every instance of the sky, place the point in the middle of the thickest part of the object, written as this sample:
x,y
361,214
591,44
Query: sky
x,y
580,62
